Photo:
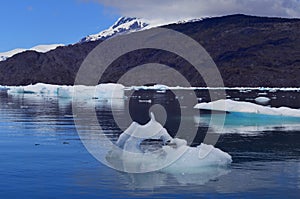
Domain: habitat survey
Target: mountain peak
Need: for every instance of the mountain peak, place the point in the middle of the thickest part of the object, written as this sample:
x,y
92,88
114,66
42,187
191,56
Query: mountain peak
x,y
123,25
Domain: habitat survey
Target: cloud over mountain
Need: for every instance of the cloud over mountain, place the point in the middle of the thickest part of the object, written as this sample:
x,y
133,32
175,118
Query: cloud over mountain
x,y
158,11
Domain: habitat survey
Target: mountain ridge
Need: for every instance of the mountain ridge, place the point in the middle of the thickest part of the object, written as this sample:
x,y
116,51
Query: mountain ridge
x,y
124,25
248,50
38,48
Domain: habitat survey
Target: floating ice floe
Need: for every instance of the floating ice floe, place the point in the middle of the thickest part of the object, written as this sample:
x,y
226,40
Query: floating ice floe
x,y
39,88
174,156
154,87
247,107
86,92
262,100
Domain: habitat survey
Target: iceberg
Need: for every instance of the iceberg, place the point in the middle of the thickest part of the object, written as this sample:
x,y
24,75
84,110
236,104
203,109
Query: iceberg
x,y
38,88
231,106
3,88
248,118
86,92
174,156
262,100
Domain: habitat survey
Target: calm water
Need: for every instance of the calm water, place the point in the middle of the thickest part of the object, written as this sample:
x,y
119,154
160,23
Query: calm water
x,y
41,155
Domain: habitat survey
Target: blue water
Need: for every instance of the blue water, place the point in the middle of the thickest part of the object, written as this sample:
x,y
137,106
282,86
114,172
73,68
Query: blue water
x,y
41,156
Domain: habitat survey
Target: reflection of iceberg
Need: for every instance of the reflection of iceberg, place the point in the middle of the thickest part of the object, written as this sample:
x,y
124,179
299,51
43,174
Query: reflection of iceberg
x,y
157,179
174,156
86,92
201,176
245,123
247,107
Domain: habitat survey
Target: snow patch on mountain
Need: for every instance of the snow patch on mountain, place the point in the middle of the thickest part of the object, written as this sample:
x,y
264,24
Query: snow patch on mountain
x,y
190,20
39,48
124,25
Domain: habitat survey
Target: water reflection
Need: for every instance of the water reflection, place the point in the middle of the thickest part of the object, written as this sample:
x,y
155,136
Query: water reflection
x,y
162,179
152,180
248,123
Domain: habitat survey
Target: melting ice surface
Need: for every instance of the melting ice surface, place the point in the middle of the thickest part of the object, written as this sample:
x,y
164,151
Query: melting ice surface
x,y
174,156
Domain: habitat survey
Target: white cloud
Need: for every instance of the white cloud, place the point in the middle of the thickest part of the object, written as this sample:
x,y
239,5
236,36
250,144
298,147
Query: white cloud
x,y
160,11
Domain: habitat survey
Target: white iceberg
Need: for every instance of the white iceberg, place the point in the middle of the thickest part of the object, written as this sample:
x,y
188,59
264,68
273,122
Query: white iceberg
x,y
262,100
39,88
247,107
174,156
86,92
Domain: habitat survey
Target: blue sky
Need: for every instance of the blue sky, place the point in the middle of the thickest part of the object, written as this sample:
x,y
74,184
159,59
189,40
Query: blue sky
x,y
26,23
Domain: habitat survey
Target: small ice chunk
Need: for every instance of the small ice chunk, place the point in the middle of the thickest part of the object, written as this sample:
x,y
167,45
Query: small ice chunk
x,y
262,100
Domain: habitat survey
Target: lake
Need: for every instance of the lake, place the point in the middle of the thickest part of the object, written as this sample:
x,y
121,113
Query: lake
x,y
42,156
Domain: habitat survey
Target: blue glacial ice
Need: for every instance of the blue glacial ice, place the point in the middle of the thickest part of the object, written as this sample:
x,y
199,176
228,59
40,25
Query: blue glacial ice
x,y
245,117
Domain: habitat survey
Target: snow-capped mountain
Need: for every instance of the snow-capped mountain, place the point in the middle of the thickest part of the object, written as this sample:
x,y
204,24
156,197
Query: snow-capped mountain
x,y
124,25
39,48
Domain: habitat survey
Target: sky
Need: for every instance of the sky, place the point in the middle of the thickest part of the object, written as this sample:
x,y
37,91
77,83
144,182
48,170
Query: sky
x,y
27,23
160,11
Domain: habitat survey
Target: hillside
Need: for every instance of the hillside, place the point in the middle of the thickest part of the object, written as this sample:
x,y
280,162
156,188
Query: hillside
x,y
249,51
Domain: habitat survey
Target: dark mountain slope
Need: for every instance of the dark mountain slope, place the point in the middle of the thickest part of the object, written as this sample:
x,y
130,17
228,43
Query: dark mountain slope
x,y
249,51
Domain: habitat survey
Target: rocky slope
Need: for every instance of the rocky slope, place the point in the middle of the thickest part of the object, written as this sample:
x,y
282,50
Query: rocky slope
x,y
39,48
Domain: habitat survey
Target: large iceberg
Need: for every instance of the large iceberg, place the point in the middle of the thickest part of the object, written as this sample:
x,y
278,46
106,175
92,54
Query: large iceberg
x,y
247,107
174,156
248,118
